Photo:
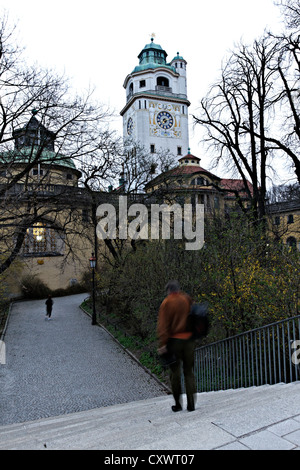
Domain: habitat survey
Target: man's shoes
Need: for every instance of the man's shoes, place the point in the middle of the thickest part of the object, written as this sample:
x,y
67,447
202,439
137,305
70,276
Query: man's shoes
x,y
190,405
190,408
176,408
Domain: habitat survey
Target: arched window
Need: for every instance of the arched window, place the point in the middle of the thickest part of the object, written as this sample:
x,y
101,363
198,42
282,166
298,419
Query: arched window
x,y
198,181
162,81
130,91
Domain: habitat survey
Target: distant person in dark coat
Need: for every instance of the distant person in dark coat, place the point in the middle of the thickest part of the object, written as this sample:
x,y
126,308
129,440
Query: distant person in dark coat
x,y
49,305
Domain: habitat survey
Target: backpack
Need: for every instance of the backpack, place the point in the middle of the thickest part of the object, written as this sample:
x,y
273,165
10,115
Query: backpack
x,y
198,320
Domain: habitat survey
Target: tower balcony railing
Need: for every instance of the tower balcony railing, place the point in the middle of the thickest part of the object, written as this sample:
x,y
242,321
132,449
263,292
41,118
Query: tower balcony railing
x,y
163,89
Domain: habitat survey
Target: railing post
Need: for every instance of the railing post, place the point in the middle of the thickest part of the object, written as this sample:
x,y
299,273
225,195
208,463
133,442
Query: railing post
x,y
278,354
289,346
274,356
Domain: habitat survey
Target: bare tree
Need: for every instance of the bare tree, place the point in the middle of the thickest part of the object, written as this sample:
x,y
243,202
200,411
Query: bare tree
x,y
286,135
291,12
236,114
140,166
69,130
284,193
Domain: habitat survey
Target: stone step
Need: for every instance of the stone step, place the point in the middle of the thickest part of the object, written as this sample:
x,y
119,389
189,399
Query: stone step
x,y
150,423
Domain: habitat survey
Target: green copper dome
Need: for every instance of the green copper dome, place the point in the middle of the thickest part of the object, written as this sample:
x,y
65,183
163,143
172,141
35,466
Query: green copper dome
x,y
152,56
28,142
152,45
27,155
178,57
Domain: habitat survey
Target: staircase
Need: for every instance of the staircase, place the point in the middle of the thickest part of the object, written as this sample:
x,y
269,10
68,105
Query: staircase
x,y
265,417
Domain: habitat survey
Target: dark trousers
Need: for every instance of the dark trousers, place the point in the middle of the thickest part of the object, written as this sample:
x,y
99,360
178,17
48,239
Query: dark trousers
x,y
49,311
184,353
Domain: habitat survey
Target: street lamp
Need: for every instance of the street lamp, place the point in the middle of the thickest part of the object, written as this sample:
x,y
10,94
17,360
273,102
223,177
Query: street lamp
x,y
93,265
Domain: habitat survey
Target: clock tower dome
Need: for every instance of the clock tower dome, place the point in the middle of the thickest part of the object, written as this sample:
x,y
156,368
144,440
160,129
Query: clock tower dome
x,y
156,111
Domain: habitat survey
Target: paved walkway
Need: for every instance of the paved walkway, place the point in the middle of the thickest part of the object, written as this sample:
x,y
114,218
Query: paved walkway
x,y
64,365
68,385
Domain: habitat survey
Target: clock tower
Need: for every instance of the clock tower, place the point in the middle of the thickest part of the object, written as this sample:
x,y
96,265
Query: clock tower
x,y
156,111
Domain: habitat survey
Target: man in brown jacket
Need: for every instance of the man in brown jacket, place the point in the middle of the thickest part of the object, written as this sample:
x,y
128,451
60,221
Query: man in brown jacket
x,y
175,338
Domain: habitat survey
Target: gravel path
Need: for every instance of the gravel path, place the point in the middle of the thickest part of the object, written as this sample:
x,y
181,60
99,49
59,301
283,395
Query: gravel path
x,y
64,365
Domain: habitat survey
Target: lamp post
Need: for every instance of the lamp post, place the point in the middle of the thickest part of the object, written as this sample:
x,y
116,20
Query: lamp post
x,y
93,265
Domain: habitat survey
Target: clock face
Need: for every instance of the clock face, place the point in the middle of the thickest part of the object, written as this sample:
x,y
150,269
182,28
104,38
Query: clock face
x,y
164,120
129,126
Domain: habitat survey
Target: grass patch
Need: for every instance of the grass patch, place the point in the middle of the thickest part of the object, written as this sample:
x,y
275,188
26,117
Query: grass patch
x,y
4,310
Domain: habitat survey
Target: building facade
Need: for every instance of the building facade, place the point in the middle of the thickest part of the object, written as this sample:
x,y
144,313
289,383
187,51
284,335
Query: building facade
x,y
189,183
44,214
284,222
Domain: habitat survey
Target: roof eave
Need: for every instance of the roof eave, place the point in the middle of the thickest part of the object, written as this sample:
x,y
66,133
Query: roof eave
x,y
150,70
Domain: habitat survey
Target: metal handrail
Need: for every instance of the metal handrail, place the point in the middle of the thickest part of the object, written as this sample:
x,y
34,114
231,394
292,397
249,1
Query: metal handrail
x,y
260,356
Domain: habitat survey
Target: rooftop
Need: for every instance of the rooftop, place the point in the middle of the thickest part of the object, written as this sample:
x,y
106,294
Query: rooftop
x,y
29,154
34,143
154,56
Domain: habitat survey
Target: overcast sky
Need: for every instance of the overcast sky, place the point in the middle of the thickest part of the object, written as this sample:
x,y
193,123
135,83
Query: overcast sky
x,y
97,42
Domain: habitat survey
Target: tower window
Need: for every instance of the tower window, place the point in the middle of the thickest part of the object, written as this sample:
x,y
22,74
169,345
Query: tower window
x,y
142,83
152,148
162,81
179,151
